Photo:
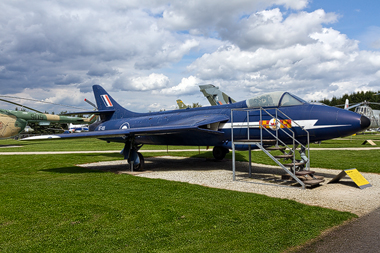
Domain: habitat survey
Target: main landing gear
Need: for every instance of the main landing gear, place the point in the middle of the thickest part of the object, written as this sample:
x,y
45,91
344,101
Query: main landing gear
x,y
140,166
131,154
219,152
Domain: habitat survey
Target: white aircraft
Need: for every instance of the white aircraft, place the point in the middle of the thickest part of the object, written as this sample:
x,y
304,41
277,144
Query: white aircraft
x,y
77,128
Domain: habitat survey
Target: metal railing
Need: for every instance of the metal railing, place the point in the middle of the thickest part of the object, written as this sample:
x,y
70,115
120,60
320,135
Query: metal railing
x,y
279,126
292,136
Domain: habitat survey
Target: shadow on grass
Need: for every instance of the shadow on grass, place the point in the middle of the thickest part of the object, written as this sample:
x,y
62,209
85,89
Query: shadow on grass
x,y
204,161
201,162
197,162
117,155
72,170
10,146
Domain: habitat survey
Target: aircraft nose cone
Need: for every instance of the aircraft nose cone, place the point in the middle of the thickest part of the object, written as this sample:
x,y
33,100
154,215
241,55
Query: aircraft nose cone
x,y
364,122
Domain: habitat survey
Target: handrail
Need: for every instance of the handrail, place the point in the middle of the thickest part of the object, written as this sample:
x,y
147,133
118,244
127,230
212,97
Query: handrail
x,y
308,140
291,136
262,109
285,125
284,129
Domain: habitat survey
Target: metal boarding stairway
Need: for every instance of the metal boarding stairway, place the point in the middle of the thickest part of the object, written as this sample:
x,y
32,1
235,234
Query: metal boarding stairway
x,y
299,169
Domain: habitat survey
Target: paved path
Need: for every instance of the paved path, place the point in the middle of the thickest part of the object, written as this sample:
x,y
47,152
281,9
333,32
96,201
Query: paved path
x,y
361,235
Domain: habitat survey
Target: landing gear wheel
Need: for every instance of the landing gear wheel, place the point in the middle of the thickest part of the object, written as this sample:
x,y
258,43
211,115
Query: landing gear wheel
x,y
219,152
140,166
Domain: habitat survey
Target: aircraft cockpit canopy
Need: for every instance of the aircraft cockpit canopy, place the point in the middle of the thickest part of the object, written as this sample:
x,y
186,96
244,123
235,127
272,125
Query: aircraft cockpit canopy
x,y
274,99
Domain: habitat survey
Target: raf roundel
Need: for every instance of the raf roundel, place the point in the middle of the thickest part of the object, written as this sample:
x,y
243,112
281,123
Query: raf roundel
x,y
125,125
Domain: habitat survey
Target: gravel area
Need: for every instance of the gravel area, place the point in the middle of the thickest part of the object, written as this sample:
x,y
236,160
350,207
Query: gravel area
x,y
342,196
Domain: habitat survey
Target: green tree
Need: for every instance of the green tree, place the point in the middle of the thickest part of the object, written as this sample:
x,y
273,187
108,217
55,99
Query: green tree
x,y
355,98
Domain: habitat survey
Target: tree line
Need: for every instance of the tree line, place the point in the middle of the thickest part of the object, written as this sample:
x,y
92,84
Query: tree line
x,y
355,98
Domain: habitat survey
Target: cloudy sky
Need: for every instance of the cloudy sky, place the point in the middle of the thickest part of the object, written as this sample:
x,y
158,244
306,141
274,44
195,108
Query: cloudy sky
x,y
149,53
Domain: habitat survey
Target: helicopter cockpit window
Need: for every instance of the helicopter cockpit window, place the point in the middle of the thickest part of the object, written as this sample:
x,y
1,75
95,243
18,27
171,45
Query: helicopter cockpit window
x,y
266,100
289,100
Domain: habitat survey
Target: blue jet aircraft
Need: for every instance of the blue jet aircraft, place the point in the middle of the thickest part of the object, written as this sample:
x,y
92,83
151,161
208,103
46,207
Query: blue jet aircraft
x,y
212,125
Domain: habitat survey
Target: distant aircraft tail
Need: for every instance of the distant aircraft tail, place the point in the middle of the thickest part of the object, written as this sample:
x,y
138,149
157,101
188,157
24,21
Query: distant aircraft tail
x,y
346,104
181,105
91,119
215,96
108,106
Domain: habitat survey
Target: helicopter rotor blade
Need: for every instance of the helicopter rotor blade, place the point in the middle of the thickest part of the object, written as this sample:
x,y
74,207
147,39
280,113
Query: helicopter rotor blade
x,y
7,101
373,103
355,105
36,100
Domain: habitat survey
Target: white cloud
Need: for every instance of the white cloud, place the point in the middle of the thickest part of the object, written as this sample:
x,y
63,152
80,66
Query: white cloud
x,y
325,58
216,14
168,48
54,39
169,52
52,100
187,86
142,83
269,29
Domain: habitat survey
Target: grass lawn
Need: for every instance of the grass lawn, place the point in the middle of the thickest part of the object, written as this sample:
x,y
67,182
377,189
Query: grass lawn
x,y
355,141
75,145
49,205
364,161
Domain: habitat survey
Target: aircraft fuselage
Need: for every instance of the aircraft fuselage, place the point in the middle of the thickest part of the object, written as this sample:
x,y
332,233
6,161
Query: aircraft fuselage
x,y
274,115
322,123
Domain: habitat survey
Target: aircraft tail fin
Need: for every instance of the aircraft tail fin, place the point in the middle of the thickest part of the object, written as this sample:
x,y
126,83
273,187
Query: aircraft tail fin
x,y
91,119
108,105
215,96
181,105
346,104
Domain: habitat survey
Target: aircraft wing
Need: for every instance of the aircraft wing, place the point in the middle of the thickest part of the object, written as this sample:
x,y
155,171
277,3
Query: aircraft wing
x,y
90,112
201,120
197,123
